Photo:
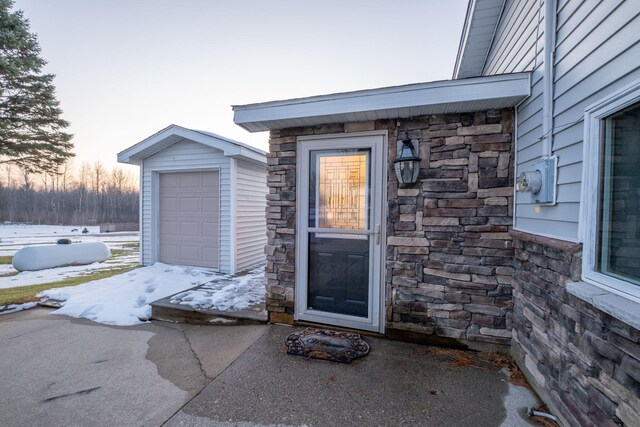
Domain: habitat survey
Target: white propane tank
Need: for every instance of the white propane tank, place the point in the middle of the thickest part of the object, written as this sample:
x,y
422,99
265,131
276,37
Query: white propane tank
x,y
32,258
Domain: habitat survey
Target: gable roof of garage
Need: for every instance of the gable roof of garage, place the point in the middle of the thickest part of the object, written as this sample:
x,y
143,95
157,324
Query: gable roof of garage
x,y
173,134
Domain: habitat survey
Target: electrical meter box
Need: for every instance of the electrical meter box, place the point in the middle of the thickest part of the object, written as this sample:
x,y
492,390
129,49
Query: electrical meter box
x,y
540,181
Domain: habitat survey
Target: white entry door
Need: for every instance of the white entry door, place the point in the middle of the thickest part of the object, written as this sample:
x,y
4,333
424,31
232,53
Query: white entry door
x,y
340,230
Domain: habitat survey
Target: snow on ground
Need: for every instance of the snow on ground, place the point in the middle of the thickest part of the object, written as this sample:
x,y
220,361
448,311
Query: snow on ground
x,y
31,230
227,292
16,236
124,298
6,269
28,278
13,308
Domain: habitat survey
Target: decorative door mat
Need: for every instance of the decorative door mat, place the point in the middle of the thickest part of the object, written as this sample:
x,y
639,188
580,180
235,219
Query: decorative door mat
x,y
323,344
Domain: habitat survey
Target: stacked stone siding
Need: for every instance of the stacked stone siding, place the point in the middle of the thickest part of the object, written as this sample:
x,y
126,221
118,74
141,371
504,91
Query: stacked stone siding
x,y
281,223
449,253
584,363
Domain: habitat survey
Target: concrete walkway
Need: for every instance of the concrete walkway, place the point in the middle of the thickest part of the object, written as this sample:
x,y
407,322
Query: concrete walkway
x,y
62,371
396,384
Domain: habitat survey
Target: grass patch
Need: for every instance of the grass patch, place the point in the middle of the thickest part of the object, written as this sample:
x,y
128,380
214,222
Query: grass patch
x,y
131,245
22,294
6,259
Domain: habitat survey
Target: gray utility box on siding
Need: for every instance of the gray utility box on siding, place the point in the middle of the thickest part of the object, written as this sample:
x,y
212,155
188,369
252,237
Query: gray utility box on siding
x,y
202,200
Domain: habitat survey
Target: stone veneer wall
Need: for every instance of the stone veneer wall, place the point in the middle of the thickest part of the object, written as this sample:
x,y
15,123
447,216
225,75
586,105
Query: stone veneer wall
x,y
584,363
449,254
449,251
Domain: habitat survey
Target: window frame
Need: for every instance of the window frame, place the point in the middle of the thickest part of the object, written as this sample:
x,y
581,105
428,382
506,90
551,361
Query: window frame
x,y
593,148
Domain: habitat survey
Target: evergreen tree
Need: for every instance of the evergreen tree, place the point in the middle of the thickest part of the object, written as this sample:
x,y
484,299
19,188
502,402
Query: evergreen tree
x,y
32,133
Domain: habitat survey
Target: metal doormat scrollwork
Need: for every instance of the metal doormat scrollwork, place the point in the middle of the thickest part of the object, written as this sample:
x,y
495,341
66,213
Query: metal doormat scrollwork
x,y
329,345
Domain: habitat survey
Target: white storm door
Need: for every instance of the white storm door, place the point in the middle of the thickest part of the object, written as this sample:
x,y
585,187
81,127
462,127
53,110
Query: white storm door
x,y
340,231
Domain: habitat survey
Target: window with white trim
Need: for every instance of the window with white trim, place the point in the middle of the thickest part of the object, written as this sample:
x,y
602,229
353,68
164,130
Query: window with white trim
x,y
611,203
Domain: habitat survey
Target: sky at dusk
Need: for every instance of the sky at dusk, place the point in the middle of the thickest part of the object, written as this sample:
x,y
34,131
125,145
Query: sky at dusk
x,y
128,68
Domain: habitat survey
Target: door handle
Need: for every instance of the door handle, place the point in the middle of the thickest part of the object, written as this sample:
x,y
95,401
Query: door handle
x,y
377,234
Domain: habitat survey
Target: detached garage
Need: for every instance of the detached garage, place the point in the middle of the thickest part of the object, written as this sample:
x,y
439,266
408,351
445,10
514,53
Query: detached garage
x,y
202,200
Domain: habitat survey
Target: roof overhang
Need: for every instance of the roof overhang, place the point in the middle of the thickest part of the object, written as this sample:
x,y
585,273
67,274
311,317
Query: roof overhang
x,y
478,32
174,134
441,97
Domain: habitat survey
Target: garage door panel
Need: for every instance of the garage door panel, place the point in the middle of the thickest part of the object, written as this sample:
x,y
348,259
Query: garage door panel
x,y
209,229
209,253
190,252
171,253
210,204
190,204
191,179
210,180
170,228
170,204
189,218
171,180
191,229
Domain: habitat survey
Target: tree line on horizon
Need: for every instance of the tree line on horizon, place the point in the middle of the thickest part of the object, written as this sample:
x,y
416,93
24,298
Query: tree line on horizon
x,y
91,195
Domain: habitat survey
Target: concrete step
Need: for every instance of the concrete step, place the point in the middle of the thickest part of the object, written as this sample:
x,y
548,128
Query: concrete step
x,y
166,311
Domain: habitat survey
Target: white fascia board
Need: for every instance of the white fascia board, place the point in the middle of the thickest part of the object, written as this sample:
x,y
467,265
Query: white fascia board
x,y
251,156
154,144
255,117
465,36
481,22
129,155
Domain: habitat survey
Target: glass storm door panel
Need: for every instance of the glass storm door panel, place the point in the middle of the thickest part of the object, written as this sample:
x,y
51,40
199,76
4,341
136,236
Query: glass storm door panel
x,y
340,194
339,231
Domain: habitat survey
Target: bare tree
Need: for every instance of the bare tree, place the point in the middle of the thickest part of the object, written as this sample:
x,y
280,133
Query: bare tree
x,y
93,194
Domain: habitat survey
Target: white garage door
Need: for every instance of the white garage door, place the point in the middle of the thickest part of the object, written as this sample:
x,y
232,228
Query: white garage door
x,y
189,218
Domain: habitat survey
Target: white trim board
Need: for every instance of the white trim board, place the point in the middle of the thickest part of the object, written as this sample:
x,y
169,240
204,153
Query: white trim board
x,y
441,97
591,188
174,133
233,244
155,210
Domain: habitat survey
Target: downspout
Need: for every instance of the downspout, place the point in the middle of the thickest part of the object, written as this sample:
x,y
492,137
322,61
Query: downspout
x,y
547,97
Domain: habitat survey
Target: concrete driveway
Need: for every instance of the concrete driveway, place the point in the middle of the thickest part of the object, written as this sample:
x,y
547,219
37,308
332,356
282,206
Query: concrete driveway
x,y
56,370
61,371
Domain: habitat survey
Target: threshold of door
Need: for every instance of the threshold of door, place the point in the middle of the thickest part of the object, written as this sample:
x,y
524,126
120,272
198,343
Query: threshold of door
x,y
338,328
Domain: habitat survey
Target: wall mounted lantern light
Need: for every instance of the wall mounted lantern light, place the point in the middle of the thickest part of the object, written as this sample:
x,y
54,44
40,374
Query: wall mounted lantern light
x,y
407,162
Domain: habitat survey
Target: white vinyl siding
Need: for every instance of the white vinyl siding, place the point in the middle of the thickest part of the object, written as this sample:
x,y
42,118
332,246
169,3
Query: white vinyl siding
x,y
597,51
251,224
185,155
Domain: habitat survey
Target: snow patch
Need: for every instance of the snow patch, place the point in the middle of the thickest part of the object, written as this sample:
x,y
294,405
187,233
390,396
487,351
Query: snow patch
x,y
124,299
13,308
230,293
